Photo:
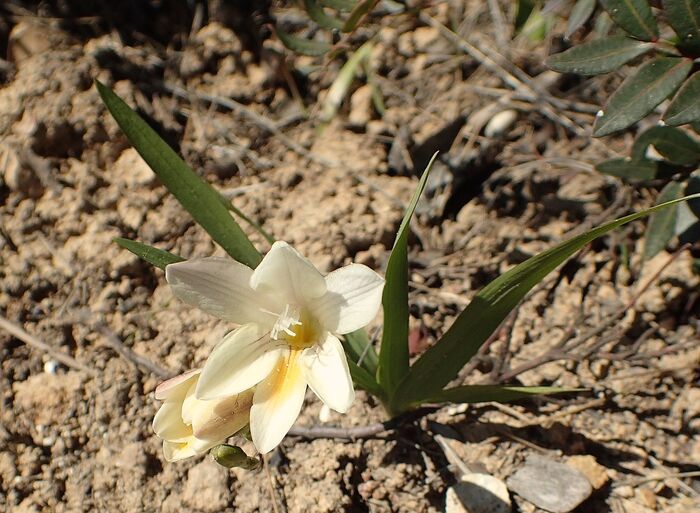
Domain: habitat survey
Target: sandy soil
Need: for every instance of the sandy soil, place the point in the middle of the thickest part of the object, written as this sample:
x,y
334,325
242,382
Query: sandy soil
x,y
80,440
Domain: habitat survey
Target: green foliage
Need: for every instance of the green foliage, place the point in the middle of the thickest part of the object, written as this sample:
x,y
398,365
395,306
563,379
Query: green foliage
x,y
640,93
193,193
154,256
681,156
393,357
671,69
359,348
487,393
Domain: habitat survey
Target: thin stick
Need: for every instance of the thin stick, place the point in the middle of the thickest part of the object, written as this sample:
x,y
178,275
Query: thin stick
x,y
137,360
18,332
271,488
368,431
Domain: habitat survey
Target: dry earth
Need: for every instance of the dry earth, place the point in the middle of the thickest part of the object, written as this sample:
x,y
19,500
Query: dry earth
x,y
80,440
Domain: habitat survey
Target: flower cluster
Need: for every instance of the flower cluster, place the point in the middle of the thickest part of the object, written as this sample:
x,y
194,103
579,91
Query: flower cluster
x,y
289,316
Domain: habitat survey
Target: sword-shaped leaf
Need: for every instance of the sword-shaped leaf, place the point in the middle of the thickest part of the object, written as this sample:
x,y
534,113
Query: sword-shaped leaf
x,y
442,362
158,257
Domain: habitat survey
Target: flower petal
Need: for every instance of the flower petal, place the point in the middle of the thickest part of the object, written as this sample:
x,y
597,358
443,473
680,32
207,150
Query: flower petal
x,y
277,403
176,388
352,299
219,419
220,287
285,274
240,361
176,451
325,369
168,423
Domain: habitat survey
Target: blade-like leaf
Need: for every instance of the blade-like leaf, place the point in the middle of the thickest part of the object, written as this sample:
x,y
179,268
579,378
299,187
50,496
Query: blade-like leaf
x,y
580,14
194,194
365,380
393,354
662,224
598,56
301,45
634,16
488,393
158,257
442,362
685,107
359,349
674,144
684,17
630,169
523,11
316,13
640,93
360,10
339,88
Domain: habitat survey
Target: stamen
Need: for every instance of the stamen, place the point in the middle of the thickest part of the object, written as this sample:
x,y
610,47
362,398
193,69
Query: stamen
x,y
285,321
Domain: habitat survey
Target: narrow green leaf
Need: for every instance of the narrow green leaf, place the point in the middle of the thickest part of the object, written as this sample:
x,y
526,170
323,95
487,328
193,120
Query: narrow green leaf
x,y
301,45
488,393
634,16
360,10
685,107
523,12
442,362
340,5
684,17
673,144
364,380
359,349
393,354
194,194
339,88
662,224
598,56
580,14
316,13
154,256
640,93
629,169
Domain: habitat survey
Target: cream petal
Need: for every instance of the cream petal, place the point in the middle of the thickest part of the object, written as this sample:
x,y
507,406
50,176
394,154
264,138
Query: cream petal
x,y
176,451
220,287
242,359
219,419
277,403
287,276
352,299
168,423
176,388
325,369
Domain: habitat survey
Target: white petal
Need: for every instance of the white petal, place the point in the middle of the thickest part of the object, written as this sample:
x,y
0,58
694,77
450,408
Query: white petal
x,y
220,287
168,423
325,369
176,388
176,451
219,419
277,403
288,276
352,299
240,361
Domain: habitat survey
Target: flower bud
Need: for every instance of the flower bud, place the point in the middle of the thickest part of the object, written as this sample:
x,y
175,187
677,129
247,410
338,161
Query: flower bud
x,y
230,456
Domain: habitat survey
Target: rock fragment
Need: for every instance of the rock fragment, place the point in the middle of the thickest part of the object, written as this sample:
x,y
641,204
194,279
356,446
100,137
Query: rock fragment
x,y
552,486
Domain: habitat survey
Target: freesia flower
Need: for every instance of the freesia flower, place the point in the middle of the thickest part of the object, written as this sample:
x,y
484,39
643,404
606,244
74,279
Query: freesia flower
x,y
191,426
290,316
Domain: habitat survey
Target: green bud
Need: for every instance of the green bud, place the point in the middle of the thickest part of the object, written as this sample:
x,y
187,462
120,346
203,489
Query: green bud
x,y
230,456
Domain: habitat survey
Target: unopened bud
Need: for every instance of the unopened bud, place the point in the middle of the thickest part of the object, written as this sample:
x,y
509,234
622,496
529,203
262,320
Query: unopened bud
x,y
231,456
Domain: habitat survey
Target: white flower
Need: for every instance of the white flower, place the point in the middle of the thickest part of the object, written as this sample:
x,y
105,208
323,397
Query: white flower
x,y
290,316
190,426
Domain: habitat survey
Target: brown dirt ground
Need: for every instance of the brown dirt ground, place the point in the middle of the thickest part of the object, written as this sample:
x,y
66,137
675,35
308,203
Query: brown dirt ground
x,y
71,441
